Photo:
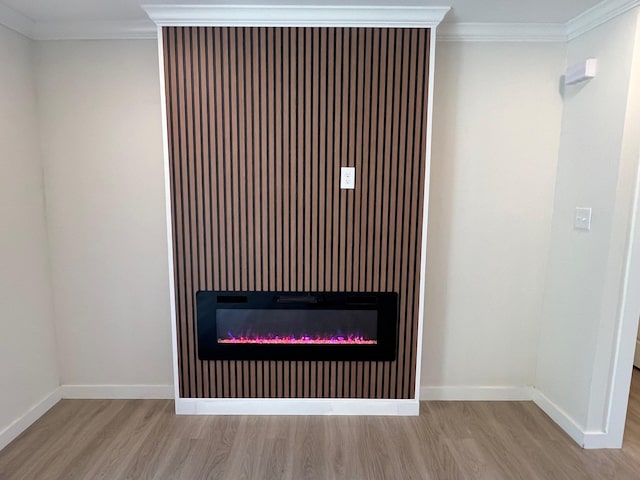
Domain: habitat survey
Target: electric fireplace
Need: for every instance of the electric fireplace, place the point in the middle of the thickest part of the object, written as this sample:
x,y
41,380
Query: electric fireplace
x,y
297,326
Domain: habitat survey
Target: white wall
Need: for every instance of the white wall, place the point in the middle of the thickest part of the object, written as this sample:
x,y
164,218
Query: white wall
x,y
101,134
496,131
28,365
596,168
496,137
493,171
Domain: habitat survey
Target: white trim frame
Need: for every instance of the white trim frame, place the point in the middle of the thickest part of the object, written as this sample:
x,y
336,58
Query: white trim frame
x,y
379,17
626,338
425,210
167,195
296,406
291,15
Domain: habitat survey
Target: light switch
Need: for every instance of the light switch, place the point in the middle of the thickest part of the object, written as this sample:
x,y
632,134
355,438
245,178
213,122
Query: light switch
x,y
347,178
582,220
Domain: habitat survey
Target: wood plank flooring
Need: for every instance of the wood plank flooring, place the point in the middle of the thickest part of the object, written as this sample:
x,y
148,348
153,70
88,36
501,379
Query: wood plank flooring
x,y
143,439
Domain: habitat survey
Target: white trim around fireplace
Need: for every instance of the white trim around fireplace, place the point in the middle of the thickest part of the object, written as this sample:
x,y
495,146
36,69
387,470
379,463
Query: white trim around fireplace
x,y
289,13
295,406
406,15
425,210
167,195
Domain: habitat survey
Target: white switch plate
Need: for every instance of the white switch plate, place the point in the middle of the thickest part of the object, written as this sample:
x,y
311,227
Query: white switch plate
x,y
347,178
582,220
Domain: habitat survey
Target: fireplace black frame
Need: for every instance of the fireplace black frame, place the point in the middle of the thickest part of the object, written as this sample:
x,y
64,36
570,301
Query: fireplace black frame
x,y
384,303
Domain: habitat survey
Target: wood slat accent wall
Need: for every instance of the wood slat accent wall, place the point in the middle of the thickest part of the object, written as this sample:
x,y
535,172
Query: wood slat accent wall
x,y
259,122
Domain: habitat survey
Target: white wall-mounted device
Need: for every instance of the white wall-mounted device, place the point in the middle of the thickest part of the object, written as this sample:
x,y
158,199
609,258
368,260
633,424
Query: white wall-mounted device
x,y
347,178
582,219
581,71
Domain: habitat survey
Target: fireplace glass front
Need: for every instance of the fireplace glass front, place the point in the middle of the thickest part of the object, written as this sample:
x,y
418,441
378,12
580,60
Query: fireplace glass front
x,y
296,326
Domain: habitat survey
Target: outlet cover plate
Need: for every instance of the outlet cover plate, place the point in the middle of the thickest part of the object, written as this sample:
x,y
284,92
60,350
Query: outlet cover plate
x,y
347,178
582,219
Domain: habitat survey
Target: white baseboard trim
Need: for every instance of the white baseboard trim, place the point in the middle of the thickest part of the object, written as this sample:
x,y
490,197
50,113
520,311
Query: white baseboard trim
x,y
636,357
15,428
561,418
295,406
307,406
476,393
123,392
595,440
586,439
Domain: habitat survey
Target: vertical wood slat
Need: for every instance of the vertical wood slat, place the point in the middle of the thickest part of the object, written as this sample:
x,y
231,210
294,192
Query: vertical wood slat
x,y
260,120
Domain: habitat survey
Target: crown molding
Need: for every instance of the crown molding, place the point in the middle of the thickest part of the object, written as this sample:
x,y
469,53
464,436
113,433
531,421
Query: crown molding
x,y
291,15
597,15
502,32
287,13
16,21
536,32
130,30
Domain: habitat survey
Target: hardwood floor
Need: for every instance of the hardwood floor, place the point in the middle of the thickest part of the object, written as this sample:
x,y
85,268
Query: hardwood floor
x,y
143,439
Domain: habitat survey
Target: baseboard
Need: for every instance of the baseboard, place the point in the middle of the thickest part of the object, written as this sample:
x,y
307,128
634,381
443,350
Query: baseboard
x,y
307,406
586,439
117,391
476,393
636,358
295,406
561,418
11,432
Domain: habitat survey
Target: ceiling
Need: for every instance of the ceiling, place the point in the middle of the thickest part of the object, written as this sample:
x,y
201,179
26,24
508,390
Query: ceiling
x,y
463,11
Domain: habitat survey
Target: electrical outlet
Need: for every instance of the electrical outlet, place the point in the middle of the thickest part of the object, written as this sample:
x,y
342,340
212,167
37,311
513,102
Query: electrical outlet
x,y
347,178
